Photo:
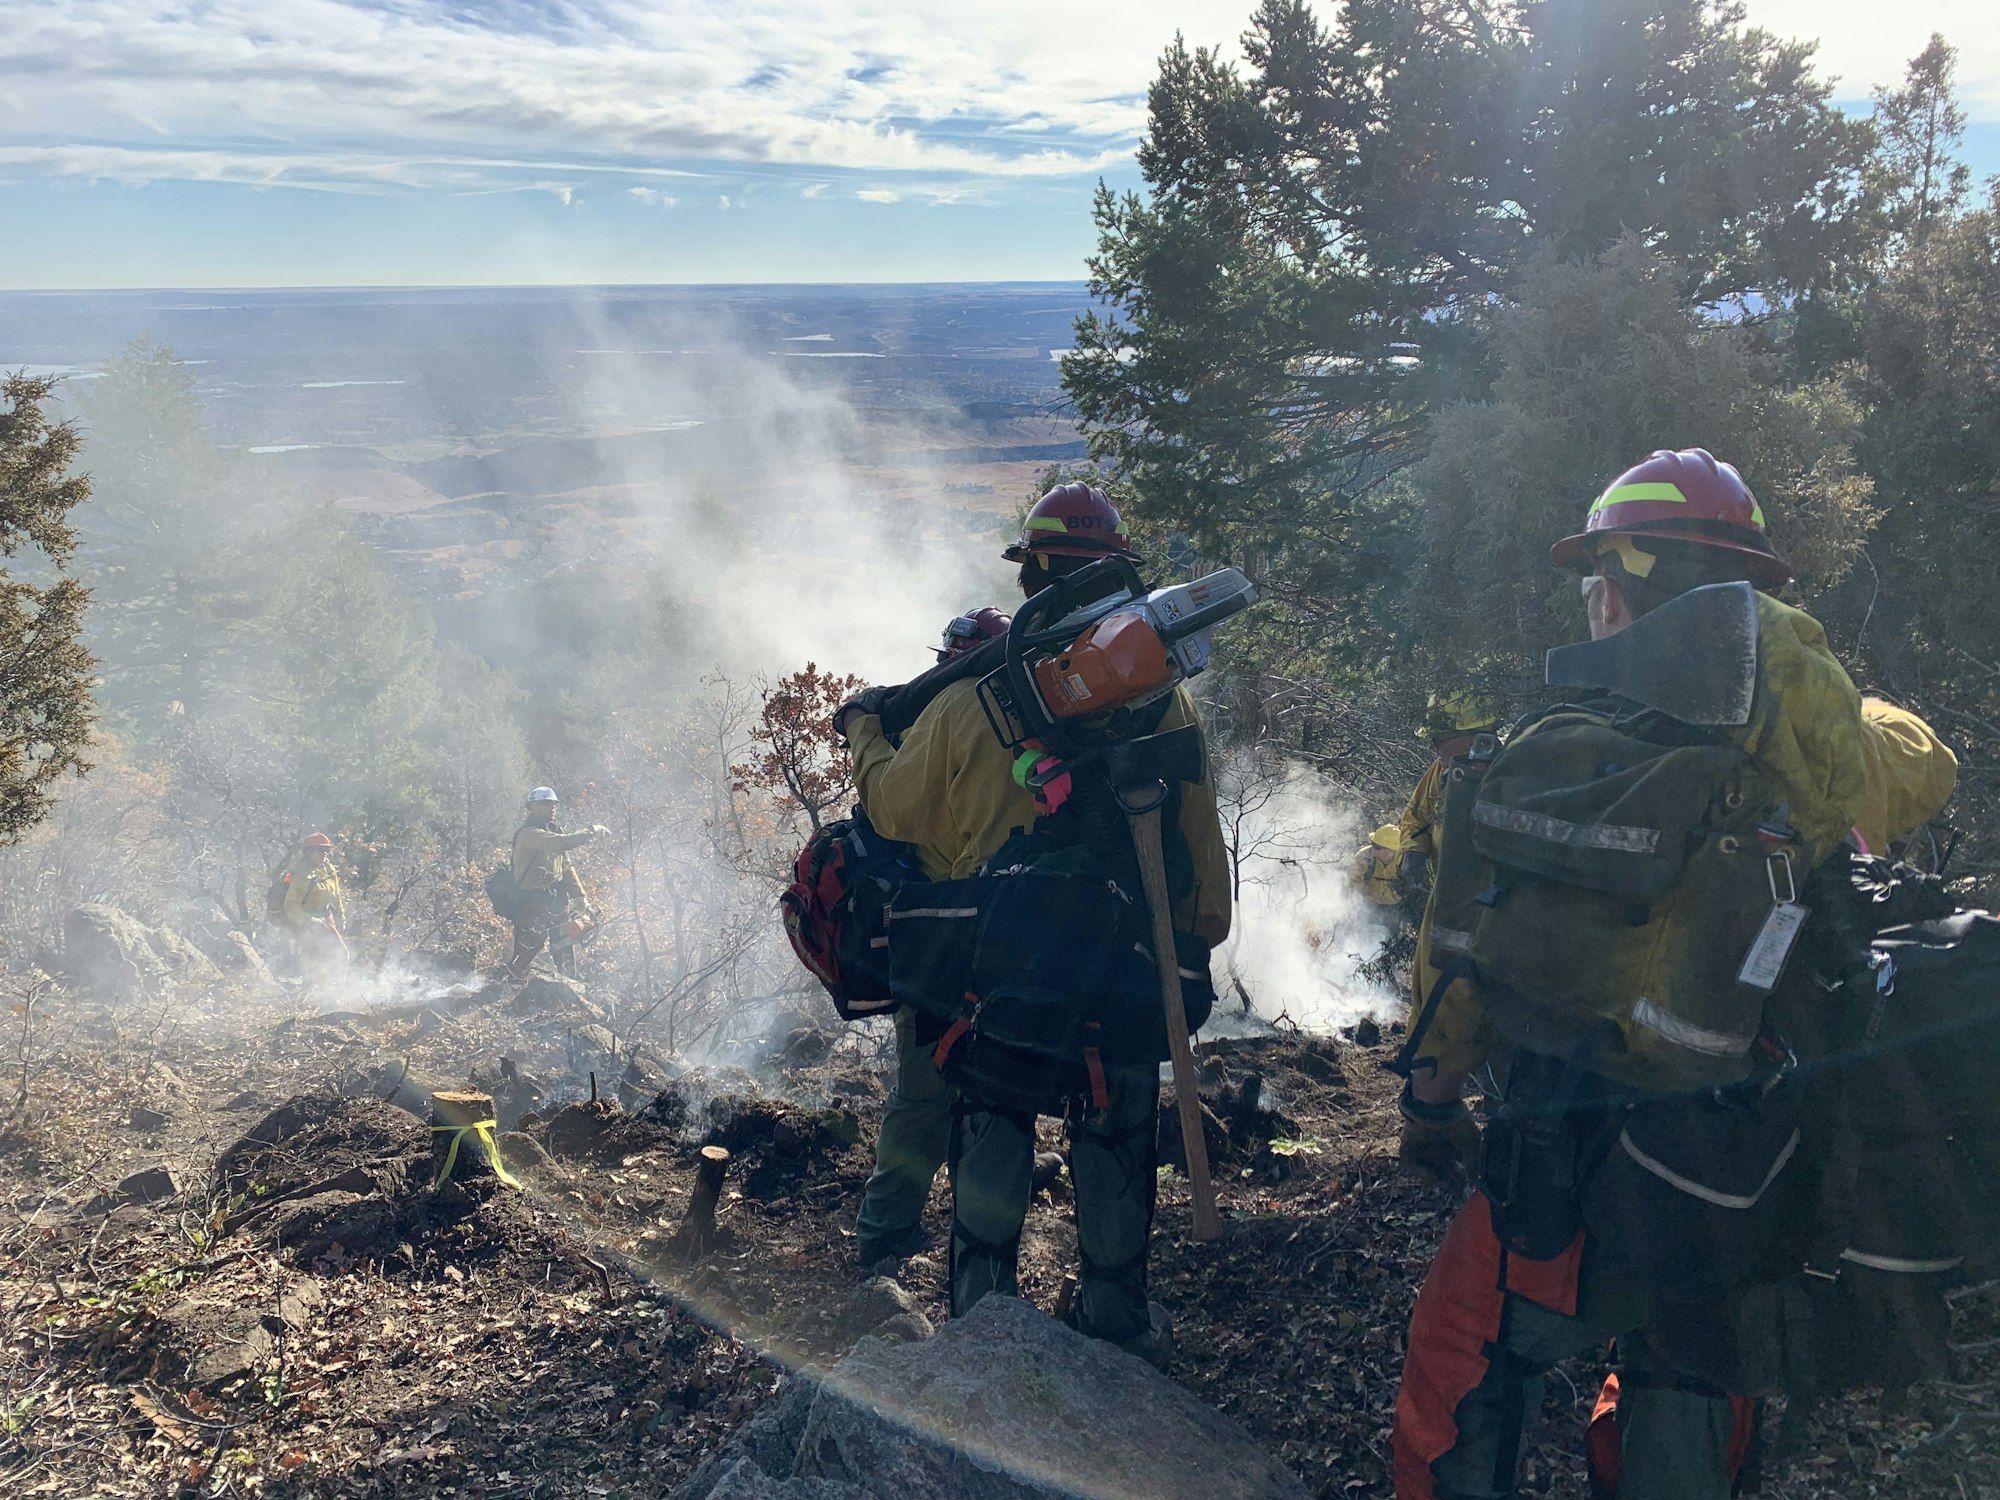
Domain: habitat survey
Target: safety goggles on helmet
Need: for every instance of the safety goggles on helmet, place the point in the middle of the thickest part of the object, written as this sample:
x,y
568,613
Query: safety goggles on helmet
x,y
542,794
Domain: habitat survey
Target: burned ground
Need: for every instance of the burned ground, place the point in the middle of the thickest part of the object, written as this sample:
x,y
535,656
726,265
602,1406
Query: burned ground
x,y
305,1314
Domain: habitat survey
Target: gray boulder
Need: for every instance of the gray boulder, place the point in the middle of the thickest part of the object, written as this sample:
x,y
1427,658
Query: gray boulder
x,y
187,963
1003,1404
112,954
109,953
239,956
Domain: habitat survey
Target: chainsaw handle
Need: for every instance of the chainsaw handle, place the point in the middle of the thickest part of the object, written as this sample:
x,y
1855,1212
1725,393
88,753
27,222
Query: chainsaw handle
x,y
1034,628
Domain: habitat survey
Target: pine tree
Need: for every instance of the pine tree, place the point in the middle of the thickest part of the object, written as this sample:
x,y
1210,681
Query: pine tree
x,y
1921,127
1304,284
45,672
175,536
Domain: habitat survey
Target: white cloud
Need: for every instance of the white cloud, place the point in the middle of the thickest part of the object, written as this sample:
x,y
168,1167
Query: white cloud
x,y
652,197
1866,44
722,202
813,190
393,95
879,195
258,89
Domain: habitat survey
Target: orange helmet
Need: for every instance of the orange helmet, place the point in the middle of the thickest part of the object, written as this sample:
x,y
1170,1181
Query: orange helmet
x,y
1073,520
318,841
1681,497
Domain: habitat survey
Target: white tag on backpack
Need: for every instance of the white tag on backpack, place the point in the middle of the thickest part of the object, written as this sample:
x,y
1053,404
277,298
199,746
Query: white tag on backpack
x,y
1764,965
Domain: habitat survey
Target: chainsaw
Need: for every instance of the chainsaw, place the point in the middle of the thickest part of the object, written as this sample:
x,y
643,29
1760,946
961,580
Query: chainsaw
x,y
1070,671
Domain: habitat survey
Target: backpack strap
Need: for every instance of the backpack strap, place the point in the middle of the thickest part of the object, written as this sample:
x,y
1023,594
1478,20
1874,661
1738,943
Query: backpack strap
x,y
1406,1061
953,1035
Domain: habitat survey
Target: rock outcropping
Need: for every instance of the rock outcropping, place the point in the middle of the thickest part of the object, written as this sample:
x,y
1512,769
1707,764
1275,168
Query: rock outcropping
x,y
1004,1404
112,954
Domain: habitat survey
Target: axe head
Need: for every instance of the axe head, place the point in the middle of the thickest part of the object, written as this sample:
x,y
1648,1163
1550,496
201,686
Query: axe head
x,y
1693,659
1173,756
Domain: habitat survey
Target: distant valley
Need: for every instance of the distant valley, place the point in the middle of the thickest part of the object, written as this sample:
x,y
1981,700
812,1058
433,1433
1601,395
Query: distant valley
x,y
485,438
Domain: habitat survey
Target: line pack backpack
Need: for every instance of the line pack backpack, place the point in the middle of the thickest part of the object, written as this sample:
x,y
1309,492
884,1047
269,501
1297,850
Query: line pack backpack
x,y
1800,1230
1028,977
1621,879
1606,878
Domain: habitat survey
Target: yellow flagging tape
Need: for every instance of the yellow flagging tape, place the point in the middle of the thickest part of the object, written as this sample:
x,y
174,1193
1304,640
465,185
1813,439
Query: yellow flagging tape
x,y
484,1130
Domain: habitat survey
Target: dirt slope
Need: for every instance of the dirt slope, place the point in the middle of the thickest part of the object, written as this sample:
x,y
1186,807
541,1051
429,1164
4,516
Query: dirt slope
x,y
306,1317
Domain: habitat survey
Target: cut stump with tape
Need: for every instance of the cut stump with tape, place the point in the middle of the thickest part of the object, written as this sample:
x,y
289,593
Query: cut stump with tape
x,y
455,1114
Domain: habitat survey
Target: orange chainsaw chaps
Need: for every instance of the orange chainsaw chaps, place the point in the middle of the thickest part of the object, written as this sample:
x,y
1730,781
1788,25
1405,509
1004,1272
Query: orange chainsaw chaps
x,y
1119,660
1454,1328
1604,1444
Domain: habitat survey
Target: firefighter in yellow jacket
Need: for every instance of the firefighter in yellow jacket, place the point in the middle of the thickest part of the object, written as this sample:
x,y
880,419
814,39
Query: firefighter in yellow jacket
x,y
949,789
1394,863
914,1138
314,911
1490,1319
547,883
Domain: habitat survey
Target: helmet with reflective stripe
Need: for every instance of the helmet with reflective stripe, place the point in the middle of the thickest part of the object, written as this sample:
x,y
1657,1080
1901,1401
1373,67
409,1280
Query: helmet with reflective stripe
x,y
1685,497
542,794
1073,520
318,841
965,632
1448,714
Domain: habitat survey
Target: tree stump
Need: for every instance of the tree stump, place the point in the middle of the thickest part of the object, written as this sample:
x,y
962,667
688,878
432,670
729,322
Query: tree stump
x,y
697,1232
450,1112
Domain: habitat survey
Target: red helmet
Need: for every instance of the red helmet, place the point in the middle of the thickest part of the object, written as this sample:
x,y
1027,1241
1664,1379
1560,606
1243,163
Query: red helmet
x,y
1073,520
318,841
1683,497
966,632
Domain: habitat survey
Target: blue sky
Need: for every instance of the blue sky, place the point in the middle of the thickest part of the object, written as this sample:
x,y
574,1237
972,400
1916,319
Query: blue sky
x,y
323,142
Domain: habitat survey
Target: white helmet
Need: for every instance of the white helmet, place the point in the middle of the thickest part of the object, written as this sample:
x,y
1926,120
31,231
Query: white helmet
x,y
542,794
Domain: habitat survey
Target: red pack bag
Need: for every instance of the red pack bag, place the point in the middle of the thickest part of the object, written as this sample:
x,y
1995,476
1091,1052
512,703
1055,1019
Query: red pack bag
x,y
834,911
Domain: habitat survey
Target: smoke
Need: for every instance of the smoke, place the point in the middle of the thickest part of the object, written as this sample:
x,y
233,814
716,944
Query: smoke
x,y
636,508
1301,930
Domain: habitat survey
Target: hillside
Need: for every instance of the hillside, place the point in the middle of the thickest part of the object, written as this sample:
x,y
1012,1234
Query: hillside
x,y
305,1316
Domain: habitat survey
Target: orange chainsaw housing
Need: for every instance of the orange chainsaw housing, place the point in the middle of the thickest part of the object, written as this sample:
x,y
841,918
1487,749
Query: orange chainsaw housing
x,y
1119,660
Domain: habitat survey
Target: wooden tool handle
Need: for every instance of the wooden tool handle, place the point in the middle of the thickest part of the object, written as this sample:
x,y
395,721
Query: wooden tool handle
x,y
1153,871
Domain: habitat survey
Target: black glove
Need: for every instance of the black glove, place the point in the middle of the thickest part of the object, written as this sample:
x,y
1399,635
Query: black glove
x,y
1439,1140
869,701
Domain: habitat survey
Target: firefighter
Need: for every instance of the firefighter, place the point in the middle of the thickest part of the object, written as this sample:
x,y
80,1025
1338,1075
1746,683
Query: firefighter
x,y
950,790
1392,868
548,884
915,1136
314,910
1489,1320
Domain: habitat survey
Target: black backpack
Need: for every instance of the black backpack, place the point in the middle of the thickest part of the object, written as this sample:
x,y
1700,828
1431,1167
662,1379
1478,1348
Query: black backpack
x,y
1033,976
503,890
1830,1202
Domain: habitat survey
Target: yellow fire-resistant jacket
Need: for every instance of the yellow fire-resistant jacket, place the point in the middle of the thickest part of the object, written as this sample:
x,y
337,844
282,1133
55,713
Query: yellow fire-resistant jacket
x,y
950,790
1378,868
1911,775
1423,814
539,861
1845,764
312,893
